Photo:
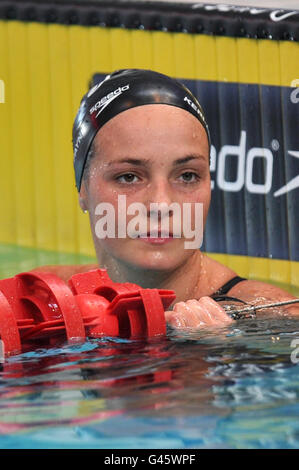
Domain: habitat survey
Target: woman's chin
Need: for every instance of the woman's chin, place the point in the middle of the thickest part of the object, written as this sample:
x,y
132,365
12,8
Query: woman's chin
x,y
137,255
155,261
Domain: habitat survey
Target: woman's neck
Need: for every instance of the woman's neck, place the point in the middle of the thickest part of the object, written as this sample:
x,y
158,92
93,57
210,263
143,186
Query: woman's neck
x,y
187,280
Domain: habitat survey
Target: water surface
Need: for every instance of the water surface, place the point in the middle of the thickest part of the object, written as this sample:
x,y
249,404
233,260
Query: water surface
x,y
233,387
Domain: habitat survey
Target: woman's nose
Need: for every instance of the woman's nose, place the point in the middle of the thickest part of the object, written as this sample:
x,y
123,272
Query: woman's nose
x,y
159,198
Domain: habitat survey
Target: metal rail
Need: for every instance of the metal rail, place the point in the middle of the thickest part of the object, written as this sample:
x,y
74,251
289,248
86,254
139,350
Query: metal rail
x,y
250,311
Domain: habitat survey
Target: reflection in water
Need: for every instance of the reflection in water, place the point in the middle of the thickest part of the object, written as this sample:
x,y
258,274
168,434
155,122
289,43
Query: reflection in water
x,y
231,387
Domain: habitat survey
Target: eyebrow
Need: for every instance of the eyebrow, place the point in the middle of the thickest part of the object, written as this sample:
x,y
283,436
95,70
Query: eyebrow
x,y
181,161
147,162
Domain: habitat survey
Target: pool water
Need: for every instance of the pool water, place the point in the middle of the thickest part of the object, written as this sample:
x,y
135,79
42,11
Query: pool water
x,y
232,387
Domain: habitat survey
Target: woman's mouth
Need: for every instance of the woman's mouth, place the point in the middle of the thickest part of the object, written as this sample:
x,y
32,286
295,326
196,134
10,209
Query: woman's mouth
x,y
161,239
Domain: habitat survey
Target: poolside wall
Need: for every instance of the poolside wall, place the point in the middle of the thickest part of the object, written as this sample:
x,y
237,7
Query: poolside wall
x,y
241,63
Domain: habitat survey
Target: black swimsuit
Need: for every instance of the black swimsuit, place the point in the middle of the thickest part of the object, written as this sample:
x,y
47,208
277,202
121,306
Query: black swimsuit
x,y
220,293
229,285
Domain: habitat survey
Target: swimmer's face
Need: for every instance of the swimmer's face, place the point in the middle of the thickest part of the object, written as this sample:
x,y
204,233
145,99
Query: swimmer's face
x,y
149,154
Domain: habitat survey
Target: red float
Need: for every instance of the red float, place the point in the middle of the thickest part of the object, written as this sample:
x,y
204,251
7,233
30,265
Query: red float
x,y
38,309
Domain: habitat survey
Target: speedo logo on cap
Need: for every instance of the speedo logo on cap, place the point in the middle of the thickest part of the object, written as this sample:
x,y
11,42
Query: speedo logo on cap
x,y
101,105
82,133
94,88
196,108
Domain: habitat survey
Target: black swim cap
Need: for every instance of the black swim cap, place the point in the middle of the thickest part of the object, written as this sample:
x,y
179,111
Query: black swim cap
x,y
119,91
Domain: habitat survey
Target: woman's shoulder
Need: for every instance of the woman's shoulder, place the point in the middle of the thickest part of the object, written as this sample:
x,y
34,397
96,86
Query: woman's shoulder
x,y
260,289
65,272
248,290
222,274
217,274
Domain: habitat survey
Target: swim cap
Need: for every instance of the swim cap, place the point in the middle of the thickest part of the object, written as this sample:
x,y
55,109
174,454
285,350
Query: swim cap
x,y
122,90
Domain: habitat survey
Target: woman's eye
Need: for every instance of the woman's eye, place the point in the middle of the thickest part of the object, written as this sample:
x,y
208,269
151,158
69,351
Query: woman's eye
x,y
127,178
189,177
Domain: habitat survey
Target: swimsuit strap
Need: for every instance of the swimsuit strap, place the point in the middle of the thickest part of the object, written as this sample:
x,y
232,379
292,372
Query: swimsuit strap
x,y
219,298
228,285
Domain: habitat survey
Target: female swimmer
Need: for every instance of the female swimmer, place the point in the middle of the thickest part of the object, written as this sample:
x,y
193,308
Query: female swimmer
x,y
143,135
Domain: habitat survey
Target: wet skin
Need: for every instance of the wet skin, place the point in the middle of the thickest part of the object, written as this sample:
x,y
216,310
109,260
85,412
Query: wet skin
x,y
160,154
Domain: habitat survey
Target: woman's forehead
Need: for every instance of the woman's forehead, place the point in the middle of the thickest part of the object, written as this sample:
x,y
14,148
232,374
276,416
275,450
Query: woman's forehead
x,y
153,125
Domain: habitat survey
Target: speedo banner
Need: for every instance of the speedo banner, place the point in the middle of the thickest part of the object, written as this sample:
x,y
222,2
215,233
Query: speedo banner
x,y
240,62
